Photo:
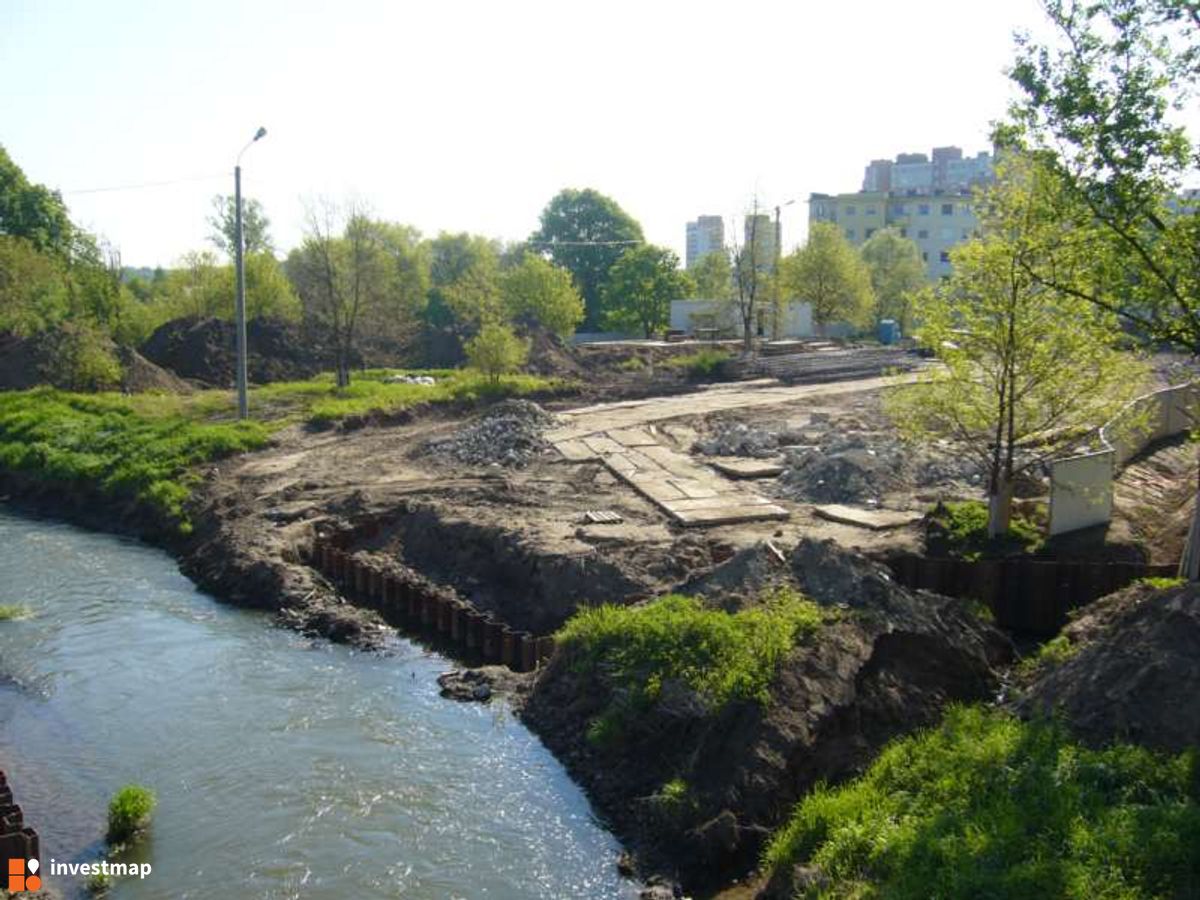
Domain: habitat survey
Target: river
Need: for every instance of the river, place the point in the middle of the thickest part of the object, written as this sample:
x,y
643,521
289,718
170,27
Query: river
x,y
284,767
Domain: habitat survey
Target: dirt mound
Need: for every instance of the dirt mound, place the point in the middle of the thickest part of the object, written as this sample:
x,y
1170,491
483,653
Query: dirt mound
x,y
507,434
550,355
1132,672
205,350
27,362
885,663
138,375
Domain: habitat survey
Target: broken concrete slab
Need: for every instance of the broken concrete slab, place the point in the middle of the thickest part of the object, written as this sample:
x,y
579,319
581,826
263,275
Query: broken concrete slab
x,y
729,515
633,437
747,468
874,519
575,451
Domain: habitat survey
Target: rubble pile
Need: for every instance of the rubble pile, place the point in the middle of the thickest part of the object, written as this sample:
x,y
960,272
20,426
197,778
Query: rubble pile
x,y
509,434
740,439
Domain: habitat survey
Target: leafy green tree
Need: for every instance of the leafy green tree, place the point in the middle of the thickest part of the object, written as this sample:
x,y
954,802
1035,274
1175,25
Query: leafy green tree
x,y
32,211
34,294
537,292
462,271
496,351
641,286
586,232
896,272
256,226
753,281
829,274
713,276
1025,369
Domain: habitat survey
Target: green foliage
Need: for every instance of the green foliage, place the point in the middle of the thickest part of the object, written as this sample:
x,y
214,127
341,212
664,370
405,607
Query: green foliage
x,y
99,883
32,211
34,288
701,364
641,285
10,611
829,274
896,273
960,529
1161,584
496,351
129,812
713,275
988,806
256,237
536,292
1054,652
134,449
722,656
582,231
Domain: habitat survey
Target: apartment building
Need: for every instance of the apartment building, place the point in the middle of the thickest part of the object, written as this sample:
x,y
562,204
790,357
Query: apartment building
x,y
705,235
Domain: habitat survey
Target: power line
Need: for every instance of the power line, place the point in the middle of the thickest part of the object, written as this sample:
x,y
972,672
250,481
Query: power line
x,y
147,184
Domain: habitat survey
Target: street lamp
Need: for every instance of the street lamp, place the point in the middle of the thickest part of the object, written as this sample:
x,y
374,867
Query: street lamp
x,y
775,323
239,250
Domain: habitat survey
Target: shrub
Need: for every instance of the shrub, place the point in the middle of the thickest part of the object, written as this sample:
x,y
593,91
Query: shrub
x,y
129,812
701,364
496,351
988,806
722,656
959,529
1160,583
99,883
1054,652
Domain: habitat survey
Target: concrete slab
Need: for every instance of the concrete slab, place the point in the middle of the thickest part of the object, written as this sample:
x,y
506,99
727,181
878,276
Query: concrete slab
x,y
721,501
632,437
747,468
874,519
729,515
695,489
602,445
575,451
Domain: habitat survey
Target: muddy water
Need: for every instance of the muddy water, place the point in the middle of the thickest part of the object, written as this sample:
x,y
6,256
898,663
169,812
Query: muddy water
x,y
284,767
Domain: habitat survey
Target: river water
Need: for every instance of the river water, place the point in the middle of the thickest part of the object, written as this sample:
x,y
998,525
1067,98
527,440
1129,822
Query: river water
x,y
284,767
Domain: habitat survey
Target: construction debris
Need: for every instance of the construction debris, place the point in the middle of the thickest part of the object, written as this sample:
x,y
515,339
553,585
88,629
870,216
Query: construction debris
x,y
509,434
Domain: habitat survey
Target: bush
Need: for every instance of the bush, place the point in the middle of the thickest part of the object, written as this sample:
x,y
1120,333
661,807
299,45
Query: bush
x,y
701,364
129,812
960,530
721,656
496,351
988,806
1054,652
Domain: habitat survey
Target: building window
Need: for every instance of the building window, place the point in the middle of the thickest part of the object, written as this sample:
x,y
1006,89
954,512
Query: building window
x,y
850,234
924,256
868,232
848,211
922,234
869,211
899,209
903,232
945,256
922,209
947,209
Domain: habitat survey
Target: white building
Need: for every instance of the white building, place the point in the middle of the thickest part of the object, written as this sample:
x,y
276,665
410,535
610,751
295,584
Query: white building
x,y
717,318
705,235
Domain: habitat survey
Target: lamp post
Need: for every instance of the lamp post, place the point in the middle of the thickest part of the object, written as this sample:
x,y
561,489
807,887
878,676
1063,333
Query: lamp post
x,y
239,252
775,324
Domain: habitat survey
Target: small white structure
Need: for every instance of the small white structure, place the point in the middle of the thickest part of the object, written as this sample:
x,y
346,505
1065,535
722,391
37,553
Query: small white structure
x,y
718,318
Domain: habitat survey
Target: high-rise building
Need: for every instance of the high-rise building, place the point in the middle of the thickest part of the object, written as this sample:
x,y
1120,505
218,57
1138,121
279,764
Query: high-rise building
x,y
705,235
927,200
759,230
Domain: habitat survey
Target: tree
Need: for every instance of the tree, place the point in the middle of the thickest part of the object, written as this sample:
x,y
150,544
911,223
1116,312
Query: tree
x,y
896,273
586,232
713,276
829,274
461,266
33,288
1104,106
641,286
340,278
536,292
496,351
752,267
1026,369
255,224
32,211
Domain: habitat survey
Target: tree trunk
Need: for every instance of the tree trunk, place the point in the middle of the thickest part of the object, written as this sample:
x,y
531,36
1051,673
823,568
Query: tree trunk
x,y
1000,508
1189,565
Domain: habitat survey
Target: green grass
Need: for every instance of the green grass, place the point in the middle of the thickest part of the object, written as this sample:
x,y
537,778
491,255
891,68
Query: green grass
x,y
129,812
721,656
144,447
12,611
1055,651
1159,583
701,364
988,806
962,529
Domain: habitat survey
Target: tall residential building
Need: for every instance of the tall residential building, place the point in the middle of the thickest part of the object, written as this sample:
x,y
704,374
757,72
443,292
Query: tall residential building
x,y
926,198
705,235
760,230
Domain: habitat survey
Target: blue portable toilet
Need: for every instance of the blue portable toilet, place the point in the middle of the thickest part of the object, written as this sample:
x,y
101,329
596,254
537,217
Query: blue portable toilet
x,y
889,331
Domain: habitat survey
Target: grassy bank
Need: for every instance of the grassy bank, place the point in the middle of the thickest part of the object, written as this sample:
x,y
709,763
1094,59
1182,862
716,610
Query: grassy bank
x,y
143,448
721,656
988,806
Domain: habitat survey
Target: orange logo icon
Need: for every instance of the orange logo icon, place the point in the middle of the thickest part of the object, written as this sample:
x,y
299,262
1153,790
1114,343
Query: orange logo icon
x,y
18,880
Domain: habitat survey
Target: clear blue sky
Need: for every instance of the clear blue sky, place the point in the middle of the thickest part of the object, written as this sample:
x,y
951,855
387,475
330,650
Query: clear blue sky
x,y
471,115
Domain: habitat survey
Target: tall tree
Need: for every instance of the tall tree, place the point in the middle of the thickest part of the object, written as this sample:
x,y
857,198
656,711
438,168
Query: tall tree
x,y
460,265
586,232
830,275
896,272
753,264
713,275
536,292
1103,101
1026,368
32,211
641,286
255,226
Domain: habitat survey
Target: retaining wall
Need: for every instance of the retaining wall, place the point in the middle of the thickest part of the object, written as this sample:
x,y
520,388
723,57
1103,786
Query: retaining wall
x,y
17,840
1081,487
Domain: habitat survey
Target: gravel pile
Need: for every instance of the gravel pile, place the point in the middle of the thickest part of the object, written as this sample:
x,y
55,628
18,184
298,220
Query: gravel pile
x,y
509,434
740,439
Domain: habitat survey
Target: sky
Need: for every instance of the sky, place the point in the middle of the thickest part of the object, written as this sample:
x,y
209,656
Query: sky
x,y
470,116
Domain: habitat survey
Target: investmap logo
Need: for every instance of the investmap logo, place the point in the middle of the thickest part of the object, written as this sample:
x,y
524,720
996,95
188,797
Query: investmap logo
x,y
23,876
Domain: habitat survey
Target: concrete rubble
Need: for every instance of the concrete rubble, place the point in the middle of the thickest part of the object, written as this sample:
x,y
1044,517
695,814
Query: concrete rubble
x,y
509,434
